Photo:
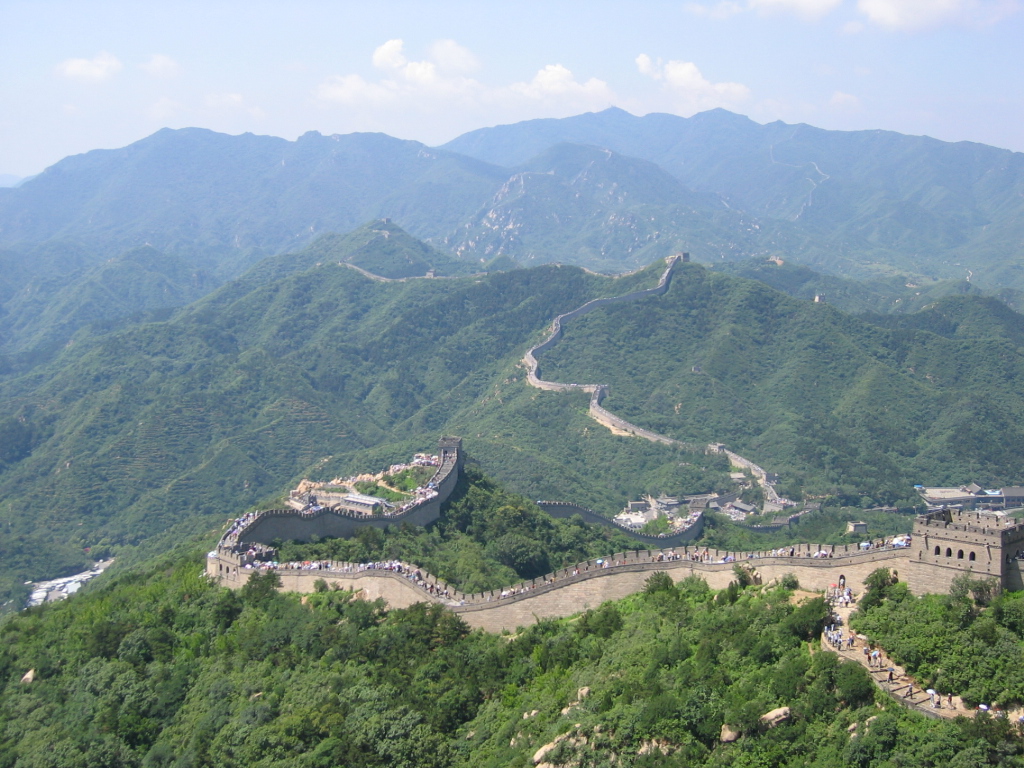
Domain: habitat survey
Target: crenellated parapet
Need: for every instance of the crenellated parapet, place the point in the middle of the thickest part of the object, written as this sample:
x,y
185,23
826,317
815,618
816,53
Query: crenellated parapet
x,y
264,527
574,588
951,542
571,589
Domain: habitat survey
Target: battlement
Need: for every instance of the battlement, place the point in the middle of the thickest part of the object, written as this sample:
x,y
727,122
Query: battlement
x,y
971,526
265,527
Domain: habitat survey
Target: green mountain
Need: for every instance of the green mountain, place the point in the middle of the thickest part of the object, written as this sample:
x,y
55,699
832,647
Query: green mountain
x,y
304,367
883,295
835,403
869,201
49,308
379,247
598,209
224,201
160,667
275,375
607,191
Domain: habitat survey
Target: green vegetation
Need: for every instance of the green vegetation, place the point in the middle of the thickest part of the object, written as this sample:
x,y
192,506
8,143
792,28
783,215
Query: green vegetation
x,y
826,526
894,294
412,478
656,526
858,409
861,204
159,667
318,372
371,488
970,642
486,538
305,368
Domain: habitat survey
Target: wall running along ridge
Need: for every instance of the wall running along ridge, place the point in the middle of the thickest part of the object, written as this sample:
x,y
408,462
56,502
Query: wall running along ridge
x,y
599,391
574,589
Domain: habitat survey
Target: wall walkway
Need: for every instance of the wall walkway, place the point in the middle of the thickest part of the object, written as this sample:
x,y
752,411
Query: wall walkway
x,y
599,391
568,590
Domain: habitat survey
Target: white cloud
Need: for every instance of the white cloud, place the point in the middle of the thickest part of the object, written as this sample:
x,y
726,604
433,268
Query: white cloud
x,y
101,67
810,9
684,80
352,89
161,66
721,10
439,86
232,101
163,108
452,57
554,80
389,55
917,14
844,100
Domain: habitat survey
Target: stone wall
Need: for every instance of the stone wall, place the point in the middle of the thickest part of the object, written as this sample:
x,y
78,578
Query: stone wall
x,y
587,584
566,509
530,358
292,525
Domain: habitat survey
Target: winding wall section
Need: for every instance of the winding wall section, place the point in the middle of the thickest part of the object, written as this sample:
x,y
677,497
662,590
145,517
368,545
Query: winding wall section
x,y
291,525
599,391
569,590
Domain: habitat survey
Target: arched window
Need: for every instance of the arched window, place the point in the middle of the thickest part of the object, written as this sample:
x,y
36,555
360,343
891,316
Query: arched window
x,y
938,551
971,558
949,552
960,555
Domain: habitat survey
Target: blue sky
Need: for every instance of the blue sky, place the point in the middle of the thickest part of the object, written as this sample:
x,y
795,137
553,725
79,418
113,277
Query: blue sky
x,y
76,76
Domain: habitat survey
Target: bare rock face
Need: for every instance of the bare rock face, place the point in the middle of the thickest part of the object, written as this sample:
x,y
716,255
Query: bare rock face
x,y
728,735
29,676
572,740
775,717
655,745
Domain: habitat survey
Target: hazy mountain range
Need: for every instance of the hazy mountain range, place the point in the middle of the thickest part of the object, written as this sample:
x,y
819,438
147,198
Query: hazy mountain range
x,y
181,334
609,191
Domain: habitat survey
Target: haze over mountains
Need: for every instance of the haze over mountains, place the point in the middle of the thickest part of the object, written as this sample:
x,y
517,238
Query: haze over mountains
x,y
609,191
181,335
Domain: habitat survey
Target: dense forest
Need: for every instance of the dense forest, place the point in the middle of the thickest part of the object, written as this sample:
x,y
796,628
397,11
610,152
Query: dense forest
x,y
862,407
304,367
159,667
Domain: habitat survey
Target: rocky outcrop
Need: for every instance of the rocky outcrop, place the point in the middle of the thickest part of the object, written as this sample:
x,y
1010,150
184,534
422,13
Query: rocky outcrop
x,y
775,717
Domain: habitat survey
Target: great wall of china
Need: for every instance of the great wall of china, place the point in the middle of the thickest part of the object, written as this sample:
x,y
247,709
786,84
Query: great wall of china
x,y
944,544
599,391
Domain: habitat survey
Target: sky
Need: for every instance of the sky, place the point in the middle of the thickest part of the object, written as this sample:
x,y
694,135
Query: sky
x,y
76,76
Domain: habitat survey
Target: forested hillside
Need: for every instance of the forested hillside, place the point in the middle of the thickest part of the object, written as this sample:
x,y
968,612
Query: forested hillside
x,y
304,367
159,667
279,374
608,191
869,202
835,403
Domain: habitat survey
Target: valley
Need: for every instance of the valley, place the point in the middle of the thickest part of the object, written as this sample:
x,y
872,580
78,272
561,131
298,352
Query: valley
x,y
218,354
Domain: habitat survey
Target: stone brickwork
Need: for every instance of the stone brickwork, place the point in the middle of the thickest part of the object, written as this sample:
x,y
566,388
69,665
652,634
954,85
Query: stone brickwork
x,y
566,509
292,525
590,583
530,358
949,543
573,589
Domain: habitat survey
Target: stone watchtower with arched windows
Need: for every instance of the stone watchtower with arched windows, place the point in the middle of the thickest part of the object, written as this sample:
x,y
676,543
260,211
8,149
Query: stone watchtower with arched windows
x,y
950,542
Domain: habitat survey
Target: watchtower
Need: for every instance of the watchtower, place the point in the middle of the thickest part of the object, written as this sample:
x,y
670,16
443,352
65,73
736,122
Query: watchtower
x,y
948,543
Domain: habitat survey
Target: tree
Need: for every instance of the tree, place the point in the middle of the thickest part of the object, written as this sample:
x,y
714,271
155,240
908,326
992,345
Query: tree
x,y
261,587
